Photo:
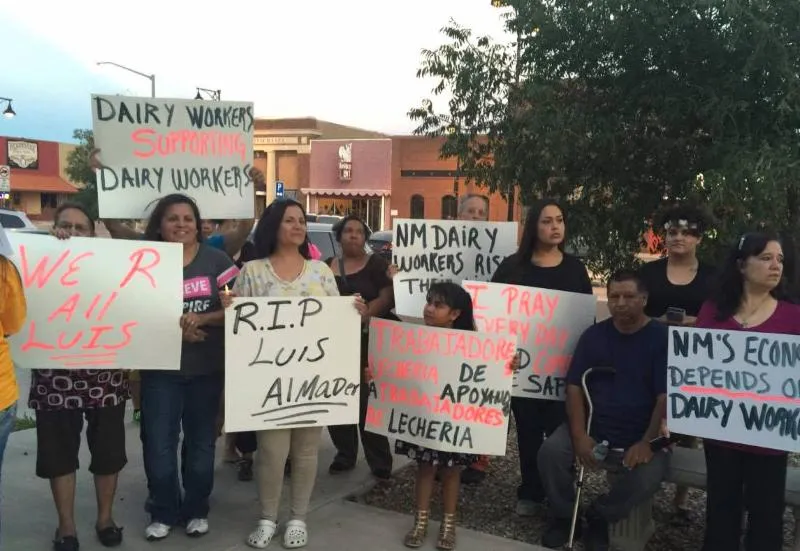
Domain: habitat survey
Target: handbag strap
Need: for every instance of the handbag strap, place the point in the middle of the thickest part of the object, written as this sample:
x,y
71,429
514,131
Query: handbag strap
x,y
343,276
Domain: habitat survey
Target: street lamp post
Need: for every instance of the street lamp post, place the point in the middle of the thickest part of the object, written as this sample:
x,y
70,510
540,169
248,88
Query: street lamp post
x,y
152,78
215,95
9,112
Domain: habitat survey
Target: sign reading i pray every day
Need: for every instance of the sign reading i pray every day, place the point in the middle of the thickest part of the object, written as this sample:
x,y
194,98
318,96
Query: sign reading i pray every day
x,y
427,251
443,389
547,324
291,362
735,386
98,303
154,147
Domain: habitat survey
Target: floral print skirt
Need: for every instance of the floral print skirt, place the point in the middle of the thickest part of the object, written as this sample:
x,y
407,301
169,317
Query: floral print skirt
x,y
421,454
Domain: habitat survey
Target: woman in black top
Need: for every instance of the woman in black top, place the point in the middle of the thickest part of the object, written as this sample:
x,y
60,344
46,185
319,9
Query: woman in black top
x,y
540,262
679,284
358,272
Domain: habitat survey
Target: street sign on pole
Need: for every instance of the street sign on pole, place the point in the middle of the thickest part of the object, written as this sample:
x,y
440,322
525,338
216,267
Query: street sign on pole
x,y
279,188
5,179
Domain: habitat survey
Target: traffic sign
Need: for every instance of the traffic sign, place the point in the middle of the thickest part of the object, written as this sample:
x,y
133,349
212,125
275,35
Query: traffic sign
x,y
5,178
279,188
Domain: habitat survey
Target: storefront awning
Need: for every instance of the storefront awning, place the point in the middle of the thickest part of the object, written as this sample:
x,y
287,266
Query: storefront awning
x,y
40,183
348,192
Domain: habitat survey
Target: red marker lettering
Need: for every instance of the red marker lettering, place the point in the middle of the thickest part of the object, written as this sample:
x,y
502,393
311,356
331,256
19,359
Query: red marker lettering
x,y
73,269
474,289
40,276
67,309
137,259
107,305
126,332
33,343
70,344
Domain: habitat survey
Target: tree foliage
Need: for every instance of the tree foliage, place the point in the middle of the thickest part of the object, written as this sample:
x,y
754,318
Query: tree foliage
x,y
618,108
79,171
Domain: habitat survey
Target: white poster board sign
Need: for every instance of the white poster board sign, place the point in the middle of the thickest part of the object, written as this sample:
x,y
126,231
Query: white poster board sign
x,y
99,303
548,325
153,147
291,362
427,251
735,386
444,389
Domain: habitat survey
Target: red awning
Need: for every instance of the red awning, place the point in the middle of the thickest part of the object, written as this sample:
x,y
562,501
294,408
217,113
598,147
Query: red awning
x,y
40,183
348,192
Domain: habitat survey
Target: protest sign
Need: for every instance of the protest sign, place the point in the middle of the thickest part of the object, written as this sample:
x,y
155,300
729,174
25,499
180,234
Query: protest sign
x,y
444,389
735,386
427,251
98,304
154,147
291,362
548,325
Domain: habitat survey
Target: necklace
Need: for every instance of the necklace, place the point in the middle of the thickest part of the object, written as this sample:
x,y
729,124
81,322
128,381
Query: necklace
x,y
744,320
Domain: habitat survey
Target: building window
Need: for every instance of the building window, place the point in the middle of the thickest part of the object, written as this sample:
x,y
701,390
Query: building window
x,y
449,207
49,200
417,207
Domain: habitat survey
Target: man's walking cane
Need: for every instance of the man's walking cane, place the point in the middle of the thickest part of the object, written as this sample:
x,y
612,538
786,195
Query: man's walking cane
x,y
609,370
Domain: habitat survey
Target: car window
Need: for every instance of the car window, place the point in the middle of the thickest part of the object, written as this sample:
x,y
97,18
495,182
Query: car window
x,y
9,221
325,242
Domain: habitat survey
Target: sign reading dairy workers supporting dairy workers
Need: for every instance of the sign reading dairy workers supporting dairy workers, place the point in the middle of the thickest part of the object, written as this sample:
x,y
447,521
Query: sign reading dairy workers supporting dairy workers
x,y
735,386
444,389
153,147
426,251
99,303
548,325
291,362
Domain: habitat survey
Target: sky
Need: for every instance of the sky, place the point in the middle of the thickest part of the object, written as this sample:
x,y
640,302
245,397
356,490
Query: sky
x,y
351,62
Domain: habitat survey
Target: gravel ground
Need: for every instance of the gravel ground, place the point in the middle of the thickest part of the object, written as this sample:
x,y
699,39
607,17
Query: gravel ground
x,y
489,507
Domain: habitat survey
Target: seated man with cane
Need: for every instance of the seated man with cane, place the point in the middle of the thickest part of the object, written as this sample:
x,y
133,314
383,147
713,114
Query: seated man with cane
x,y
626,402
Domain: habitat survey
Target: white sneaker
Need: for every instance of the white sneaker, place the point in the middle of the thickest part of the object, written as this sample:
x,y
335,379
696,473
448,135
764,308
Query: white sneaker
x,y
197,527
156,531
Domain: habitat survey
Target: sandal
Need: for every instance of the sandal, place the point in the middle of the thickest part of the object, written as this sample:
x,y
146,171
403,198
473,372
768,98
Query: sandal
x,y
295,535
262,535
110,536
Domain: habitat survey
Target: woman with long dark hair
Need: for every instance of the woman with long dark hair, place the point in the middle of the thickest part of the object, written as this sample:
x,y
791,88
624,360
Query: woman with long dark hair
x,y
362,273
284,268
540,262
187,399
749,296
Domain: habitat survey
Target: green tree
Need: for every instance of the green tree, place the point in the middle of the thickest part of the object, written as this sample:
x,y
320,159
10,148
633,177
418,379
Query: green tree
x,y
79,171
616,108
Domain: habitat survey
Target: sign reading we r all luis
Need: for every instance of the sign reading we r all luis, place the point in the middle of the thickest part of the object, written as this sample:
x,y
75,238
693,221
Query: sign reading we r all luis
x,y
153,147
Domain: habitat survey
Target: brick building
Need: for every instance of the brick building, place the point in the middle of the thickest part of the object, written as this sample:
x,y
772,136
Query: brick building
x,y
38,175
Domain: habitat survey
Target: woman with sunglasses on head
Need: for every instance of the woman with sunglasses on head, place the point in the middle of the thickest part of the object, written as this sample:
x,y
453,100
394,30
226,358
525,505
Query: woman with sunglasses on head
x,y
748,296
284,268
541,262
678,285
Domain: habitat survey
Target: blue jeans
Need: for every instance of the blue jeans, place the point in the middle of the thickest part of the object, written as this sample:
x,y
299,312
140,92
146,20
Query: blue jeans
x,y
7,418
170,401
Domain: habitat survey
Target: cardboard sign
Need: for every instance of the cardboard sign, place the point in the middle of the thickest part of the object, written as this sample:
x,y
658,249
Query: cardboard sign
x,y
291,362
444,389
154,147
735,386
427,251
99,304
548,325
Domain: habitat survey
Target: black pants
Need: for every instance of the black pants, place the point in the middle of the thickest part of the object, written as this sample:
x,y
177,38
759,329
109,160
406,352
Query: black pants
x,y
376,446
246,442
535,419
737,479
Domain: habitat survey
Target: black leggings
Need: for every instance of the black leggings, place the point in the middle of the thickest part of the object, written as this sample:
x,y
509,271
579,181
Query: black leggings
x,y
736,480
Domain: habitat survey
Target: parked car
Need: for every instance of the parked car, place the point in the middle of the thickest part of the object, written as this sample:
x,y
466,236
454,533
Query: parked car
x,y
328,218
15,219
381,244
320,235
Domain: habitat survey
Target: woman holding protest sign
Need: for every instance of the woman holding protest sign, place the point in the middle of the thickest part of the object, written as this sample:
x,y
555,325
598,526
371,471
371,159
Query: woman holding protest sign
x,y
358,272
540,261
284,268
449,306
749,296
188,398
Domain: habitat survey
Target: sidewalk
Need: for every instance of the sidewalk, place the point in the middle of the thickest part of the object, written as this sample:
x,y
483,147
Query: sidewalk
x,y
29,518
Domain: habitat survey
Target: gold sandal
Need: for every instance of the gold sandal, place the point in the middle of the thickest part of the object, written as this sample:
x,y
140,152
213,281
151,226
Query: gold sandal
x,y
447,533
416,536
